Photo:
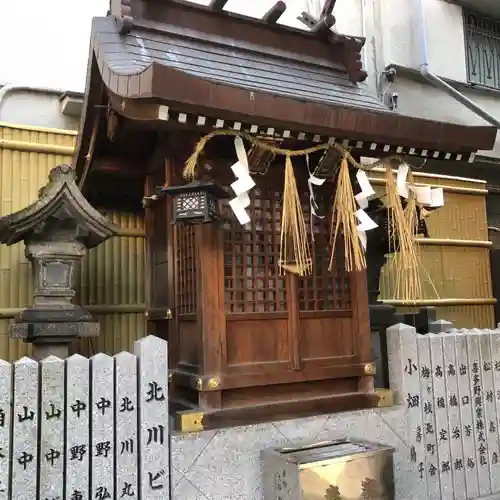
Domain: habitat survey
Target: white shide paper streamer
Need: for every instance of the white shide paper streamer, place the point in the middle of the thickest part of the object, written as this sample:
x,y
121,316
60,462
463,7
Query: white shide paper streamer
x,y
242,184
366,189
311,182
425,195
366,223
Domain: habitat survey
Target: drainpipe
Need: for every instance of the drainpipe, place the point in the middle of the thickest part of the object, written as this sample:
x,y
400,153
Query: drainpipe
x,y
364,34
8,89
439,82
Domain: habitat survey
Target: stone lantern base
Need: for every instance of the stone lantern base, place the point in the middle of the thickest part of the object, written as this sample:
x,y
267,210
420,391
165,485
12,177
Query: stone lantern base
x,y
52,331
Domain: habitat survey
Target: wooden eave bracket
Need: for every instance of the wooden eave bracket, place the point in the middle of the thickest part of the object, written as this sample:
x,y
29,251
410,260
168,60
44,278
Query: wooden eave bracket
x,y
352,60
121,10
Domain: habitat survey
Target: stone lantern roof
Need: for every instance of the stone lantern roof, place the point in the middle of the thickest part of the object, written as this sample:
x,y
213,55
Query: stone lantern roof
x,y
61,212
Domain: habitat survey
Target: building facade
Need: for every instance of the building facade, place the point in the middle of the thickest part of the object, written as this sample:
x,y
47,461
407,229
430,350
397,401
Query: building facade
x,y
43,75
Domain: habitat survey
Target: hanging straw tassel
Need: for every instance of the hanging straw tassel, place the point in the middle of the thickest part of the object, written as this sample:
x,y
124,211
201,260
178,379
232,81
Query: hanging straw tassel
x,y
401,227
412,221
293,228
344,220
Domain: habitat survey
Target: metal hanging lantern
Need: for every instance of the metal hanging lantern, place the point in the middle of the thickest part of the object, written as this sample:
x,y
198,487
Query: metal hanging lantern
x,y
196,202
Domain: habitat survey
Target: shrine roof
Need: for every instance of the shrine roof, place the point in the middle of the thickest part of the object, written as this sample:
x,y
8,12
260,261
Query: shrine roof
x,y
147,62
203,67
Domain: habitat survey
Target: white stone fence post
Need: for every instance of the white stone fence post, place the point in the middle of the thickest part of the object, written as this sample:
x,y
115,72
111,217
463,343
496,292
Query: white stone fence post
x,y
86,429
449,384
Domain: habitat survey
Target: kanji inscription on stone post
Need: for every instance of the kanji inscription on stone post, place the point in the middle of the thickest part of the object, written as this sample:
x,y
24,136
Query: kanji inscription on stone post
x,y
25,430
153,418
80,429
478,416
429,372
495,364
126,436
77,427
440,400
455,450
468,462
102,437
451,376
405,379
52,428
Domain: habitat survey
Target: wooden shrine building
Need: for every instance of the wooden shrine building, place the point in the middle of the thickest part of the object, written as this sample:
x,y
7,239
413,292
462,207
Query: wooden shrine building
x,y
247,343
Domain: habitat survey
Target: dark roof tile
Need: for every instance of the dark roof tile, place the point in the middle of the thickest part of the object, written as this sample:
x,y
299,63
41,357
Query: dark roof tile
x,y
231,62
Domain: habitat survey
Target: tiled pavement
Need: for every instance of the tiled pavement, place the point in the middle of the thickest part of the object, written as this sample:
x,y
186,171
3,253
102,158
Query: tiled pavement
x,y
225,464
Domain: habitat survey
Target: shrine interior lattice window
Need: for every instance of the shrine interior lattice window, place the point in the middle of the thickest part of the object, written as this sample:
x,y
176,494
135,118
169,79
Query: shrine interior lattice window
x,y
186,269
253,283
251,254
323,290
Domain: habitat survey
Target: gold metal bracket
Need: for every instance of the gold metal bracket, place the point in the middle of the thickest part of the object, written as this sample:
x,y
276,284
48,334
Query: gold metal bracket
x,y
210,384
199,384
190,421
386,398
370,369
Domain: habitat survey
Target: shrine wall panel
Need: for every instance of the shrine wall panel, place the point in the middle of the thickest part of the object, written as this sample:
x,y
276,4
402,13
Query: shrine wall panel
x,y
328,337
189,341
257,341
112,280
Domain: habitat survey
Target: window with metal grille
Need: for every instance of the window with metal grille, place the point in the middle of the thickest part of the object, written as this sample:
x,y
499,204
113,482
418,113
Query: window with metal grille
x,y
482,45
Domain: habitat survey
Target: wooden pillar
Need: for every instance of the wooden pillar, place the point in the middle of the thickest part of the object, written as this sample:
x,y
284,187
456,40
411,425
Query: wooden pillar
x,y
362,333
211,313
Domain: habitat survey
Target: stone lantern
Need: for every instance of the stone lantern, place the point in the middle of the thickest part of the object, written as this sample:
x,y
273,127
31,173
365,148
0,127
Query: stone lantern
x,y
57,231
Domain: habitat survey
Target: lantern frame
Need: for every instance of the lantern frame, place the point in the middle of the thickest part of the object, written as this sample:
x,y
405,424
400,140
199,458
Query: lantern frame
x,y
196,202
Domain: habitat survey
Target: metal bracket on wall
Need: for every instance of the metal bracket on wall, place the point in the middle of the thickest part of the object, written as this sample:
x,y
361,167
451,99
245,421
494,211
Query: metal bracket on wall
x,y
190,421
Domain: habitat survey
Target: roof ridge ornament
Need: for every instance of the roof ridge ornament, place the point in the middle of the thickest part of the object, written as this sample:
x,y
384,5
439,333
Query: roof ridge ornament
x,y
121,10
274,13
217,5
352,45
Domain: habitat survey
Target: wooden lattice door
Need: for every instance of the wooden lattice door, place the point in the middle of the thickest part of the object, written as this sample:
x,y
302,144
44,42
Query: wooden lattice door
x,y
276,322
245,334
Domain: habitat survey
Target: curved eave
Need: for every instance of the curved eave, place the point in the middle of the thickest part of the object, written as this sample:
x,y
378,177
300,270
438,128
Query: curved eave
x,y
190,93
